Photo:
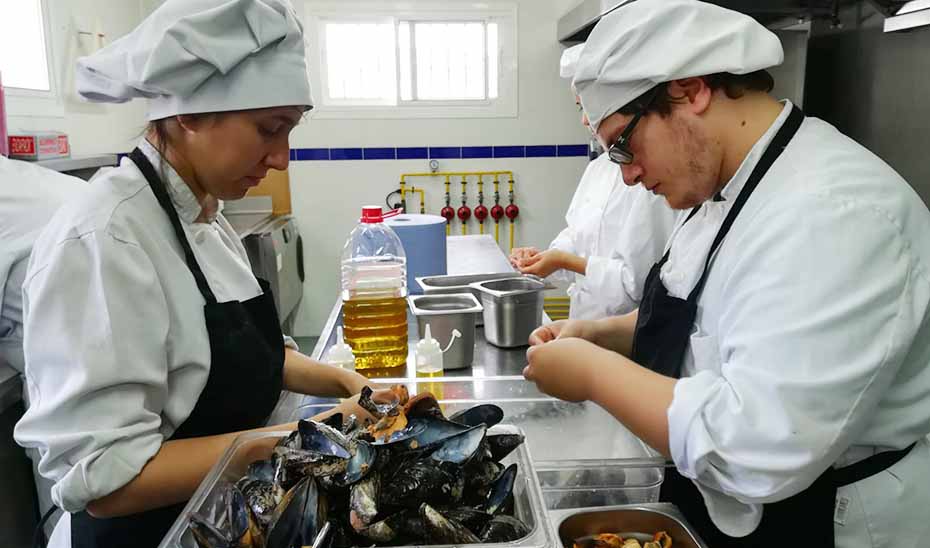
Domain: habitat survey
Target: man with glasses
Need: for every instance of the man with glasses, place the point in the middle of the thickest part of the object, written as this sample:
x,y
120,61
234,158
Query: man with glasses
x,y
780,353
614,234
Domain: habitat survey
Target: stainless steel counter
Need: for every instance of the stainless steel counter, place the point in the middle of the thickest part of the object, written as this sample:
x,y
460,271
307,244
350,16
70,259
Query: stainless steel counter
x,y
583,455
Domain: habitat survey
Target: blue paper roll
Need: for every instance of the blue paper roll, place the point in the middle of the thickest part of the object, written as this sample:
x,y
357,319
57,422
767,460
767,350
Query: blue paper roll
x,y
424,239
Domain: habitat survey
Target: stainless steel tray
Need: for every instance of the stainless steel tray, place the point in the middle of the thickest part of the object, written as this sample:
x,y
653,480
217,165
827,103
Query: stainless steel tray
x,y
457,283
638,518
528,500
460,283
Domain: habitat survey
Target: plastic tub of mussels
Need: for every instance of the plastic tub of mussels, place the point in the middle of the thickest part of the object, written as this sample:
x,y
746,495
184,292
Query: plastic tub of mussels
x,y
368,505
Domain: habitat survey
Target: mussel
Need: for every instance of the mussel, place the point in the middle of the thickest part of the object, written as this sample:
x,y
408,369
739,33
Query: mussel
x,y
299,516
413,478
422,481
501,445
230,524
363,502
504,529
501,491
487,414
461,447
440,530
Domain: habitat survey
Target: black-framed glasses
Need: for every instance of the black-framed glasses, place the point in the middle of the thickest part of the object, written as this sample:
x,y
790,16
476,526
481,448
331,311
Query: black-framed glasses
x,y
619,152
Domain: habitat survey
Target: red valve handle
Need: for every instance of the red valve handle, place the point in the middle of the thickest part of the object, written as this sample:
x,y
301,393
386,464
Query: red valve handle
x,y
512,211
481,213
448,213
497,212
464,213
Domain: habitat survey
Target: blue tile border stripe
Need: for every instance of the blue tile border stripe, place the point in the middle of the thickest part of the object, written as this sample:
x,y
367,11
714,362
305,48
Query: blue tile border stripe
x,y
510,152
541,151
441,152
412,153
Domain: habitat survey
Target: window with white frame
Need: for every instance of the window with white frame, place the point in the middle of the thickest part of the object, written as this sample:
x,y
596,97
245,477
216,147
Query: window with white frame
x,y
23,54
392,62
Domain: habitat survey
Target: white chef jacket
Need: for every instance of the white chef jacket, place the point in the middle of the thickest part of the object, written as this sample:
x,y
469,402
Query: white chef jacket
x,y
621,230
811,345
116,344
29,195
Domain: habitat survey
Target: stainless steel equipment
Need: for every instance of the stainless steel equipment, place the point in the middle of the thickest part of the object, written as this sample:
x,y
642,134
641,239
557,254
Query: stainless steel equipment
x,y
528,502
445,313
275,250
513,308
460,283
645,519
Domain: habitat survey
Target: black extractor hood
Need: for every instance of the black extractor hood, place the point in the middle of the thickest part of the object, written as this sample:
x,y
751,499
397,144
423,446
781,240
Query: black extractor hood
x,y
575,25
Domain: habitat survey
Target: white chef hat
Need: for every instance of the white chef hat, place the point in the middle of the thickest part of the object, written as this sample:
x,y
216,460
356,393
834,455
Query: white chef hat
x,y
192,56
570,60
648,42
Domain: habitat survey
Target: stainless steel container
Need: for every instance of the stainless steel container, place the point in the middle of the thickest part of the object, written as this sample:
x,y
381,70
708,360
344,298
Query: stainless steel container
x,y
637,521
528,501
460,283
444,313
513,308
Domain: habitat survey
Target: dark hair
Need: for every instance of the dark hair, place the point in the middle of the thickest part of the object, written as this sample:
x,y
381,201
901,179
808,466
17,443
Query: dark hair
x,y
159,129
734,85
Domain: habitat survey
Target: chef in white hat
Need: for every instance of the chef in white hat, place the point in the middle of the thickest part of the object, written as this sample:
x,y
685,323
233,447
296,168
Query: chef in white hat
x,y
781,353
613,236
149,344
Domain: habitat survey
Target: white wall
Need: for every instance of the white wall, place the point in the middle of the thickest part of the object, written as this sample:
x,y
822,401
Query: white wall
x,y
327,195
91,128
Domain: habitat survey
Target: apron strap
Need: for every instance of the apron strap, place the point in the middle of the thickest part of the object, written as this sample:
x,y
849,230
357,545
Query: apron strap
x,y
161,194
865,468
772,152
664,258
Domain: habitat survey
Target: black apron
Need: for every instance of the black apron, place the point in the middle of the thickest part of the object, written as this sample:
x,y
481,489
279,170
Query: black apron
x,y
663,330
245,381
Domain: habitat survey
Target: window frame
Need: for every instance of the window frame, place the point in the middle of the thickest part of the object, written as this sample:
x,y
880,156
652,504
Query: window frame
x,y
504,13
35,103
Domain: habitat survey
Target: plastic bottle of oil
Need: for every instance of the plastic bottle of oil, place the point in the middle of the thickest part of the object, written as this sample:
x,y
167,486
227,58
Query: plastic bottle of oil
x,y
374,293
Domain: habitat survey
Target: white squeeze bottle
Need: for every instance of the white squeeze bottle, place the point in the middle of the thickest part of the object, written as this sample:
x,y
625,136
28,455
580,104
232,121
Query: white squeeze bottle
x,y
429,355
340,354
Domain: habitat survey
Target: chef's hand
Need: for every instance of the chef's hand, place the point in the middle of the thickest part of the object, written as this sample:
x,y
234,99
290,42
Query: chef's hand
x,y
563,329
518,254
543,264
565,368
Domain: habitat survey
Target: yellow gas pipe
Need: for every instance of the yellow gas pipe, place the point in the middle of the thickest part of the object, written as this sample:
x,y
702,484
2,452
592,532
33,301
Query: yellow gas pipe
x,y
511,207
448,207
403,195
480,204
464,207
464,174
422,194
497,201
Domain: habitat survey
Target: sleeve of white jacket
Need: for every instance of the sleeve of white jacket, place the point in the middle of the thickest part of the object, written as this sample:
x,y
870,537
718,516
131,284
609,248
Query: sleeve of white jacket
x,y
96,332
564,242
819,315
642,232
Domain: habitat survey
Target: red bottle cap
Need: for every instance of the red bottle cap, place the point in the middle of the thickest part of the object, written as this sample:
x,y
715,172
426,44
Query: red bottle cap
x,y
372,214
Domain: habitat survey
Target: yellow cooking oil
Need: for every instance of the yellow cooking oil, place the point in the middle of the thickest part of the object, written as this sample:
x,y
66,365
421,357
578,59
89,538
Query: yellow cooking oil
x,y
434,388
376,329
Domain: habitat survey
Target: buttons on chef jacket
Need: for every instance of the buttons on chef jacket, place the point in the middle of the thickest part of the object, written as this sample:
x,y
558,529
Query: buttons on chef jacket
x,y
200,238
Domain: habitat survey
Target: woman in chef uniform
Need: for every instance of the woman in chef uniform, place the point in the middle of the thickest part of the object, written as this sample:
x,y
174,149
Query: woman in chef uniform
x,y
149,343
613,236
781,353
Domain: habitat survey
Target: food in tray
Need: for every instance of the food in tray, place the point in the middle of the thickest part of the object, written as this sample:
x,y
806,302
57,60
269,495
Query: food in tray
x,y
624,540
413,477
